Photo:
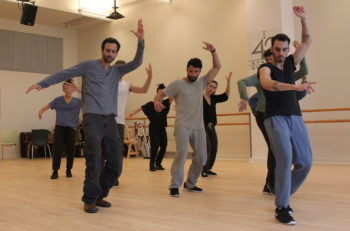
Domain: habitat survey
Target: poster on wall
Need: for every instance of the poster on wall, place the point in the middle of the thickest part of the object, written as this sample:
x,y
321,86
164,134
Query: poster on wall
x,y
258,43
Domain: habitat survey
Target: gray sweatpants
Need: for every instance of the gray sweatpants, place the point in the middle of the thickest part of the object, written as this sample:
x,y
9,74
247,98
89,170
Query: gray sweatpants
x,y
197,140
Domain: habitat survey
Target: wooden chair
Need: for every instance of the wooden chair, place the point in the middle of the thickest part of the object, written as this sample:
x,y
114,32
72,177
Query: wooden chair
x,y
131,142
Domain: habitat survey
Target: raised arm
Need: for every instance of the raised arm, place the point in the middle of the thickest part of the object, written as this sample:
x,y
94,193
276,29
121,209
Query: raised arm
x,y
306,40
43,109
137,61
228,85
216,62
146,85
271,85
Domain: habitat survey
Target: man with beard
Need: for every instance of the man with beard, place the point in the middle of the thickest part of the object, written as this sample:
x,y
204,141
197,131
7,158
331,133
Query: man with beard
x,y
283,121
189,126
99,97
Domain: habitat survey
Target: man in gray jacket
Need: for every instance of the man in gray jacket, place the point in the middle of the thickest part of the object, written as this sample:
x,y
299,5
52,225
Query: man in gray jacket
x,y
99,106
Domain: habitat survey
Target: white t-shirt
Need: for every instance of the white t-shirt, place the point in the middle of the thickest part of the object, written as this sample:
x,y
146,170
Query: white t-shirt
x,y
123,92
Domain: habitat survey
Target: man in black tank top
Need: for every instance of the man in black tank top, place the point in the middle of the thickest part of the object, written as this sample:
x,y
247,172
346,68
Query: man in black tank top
x,y
283,121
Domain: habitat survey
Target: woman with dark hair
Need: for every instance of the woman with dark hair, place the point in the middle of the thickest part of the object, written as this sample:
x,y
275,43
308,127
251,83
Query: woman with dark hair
x,y
209,113
157,130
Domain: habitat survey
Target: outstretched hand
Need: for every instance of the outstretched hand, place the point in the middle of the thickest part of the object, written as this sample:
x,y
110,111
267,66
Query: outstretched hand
x,y
242,105
306,87
139,33
34,86
158,106
299,11
208,47
149,70
296,44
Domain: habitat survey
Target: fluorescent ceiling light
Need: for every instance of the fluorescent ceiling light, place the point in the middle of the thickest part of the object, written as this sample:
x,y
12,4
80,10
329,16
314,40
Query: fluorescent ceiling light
x,y
165,1
93,14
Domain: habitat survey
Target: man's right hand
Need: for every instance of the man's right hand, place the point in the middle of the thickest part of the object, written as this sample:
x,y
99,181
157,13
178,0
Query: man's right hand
x,y
305,86
242,106
158,106
34,86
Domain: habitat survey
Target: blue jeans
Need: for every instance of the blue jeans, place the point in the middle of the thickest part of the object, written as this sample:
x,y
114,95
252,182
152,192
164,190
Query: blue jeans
x,y
290,145
97,183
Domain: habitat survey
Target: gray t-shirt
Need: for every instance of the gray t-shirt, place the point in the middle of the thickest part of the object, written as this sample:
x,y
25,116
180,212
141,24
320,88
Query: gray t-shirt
x,y
67,114
189,101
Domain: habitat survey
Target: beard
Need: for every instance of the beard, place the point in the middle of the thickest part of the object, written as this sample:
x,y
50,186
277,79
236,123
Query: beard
x,y
108,59
279,59
192,79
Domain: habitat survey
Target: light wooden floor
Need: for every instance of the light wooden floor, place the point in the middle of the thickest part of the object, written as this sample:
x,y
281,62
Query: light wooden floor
x,y
233,200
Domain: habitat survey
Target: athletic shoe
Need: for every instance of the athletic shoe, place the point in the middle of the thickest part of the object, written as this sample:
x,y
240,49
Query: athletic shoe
x,y
283,216
267,190
194,189
152,168
209,172
290,210
174,192
159,167
54,175
204,174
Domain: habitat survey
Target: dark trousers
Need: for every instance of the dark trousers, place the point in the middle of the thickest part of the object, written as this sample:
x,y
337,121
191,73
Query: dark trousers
x,y
212,146
121,131
271,162
159,141
98,129
64,136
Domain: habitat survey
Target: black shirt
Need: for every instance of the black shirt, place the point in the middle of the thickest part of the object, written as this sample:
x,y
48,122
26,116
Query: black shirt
x,y
209,111
157,119
281,102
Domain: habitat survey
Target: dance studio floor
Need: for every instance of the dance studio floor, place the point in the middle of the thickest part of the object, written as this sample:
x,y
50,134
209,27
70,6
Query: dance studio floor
x,y
233,200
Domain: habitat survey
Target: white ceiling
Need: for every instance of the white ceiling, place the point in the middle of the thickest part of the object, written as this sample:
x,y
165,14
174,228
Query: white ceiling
x,y
51,17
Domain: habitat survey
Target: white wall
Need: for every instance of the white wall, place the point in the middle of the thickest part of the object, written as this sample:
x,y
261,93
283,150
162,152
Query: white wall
x,y
328,61
19,110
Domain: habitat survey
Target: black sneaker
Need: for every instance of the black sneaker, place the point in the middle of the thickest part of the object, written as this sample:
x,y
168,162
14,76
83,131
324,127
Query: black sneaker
x,y
174,192
290,210
283,216
204,174
159,167
68,173
209,172
267,190
194,189
54,175
152,168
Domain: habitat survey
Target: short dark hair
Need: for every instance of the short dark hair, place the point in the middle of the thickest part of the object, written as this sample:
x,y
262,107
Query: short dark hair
x,y
267,53
195,62
161,86
280,37
213,81
110,40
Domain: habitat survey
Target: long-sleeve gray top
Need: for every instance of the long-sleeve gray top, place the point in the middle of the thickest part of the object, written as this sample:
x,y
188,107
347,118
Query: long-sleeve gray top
x,y
100,86
253,81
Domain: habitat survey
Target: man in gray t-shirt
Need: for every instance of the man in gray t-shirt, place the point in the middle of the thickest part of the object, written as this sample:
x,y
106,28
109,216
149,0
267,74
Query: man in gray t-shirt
x,y
189,127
